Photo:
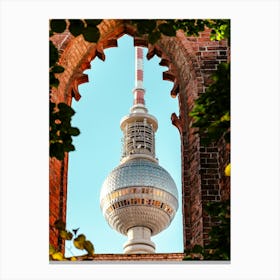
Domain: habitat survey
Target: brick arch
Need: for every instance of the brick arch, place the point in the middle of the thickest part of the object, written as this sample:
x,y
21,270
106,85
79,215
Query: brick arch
x,y
188,70
78,54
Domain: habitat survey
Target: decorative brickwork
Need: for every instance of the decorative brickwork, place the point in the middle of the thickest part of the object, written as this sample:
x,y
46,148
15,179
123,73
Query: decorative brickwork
x,y
190,62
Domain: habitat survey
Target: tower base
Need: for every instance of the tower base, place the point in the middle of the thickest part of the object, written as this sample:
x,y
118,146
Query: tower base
x,y
139,241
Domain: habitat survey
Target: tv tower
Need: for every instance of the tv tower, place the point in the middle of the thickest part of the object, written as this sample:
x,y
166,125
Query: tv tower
x,y
139,198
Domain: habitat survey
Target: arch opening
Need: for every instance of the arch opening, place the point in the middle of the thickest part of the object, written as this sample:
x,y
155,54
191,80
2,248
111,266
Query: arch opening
x,y
105,100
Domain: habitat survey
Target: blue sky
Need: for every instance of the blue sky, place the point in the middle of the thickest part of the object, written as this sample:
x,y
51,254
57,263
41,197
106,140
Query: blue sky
x,y
105,100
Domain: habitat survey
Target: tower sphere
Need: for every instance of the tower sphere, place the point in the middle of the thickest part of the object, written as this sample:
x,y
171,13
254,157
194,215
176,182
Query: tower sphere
x,y
139,192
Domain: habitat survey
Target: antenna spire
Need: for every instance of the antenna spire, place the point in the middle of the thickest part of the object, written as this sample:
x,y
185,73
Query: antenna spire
x,y
139,91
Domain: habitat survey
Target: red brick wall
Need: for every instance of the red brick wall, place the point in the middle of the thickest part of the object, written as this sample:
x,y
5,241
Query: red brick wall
x,y
193,60
57,198
138,257
190,62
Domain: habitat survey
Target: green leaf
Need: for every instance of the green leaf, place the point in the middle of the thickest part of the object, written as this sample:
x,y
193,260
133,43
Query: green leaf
x,y
91,34
57,150
74,131
88,246
225,117
197,249
69,147
67,235
53,54
93,22
154,37
63,234
54,82
52,106
76,27
200,25
61,131
57,69
213,32
167,29
58,25
146,26
60,225
65,109
79,242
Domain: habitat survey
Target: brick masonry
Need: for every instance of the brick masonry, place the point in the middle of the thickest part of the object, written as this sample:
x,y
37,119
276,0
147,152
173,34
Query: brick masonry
x,y
190,62
168,257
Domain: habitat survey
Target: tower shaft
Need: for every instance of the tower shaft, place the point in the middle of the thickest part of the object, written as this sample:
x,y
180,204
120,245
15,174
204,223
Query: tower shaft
x,y
139,241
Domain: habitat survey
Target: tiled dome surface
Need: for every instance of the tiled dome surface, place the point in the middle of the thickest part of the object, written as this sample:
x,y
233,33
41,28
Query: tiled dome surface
x,y
139,172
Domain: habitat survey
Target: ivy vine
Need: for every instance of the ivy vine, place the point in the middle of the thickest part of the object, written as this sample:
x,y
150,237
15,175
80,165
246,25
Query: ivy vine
x,y
80,242
61,131
211,112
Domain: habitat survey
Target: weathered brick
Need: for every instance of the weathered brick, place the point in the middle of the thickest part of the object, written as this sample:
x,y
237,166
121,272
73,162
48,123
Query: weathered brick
x,y
209,66
216,48
222,57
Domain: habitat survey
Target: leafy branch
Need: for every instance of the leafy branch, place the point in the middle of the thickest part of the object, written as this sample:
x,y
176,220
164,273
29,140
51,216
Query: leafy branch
x,y
154,29
80,242
61,131
211,112
88,28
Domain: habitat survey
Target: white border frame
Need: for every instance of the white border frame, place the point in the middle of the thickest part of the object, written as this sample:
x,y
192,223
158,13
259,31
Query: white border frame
x,y
24,138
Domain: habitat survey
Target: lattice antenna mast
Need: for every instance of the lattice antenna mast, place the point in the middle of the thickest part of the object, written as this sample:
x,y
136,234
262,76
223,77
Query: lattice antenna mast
x,y
139,127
